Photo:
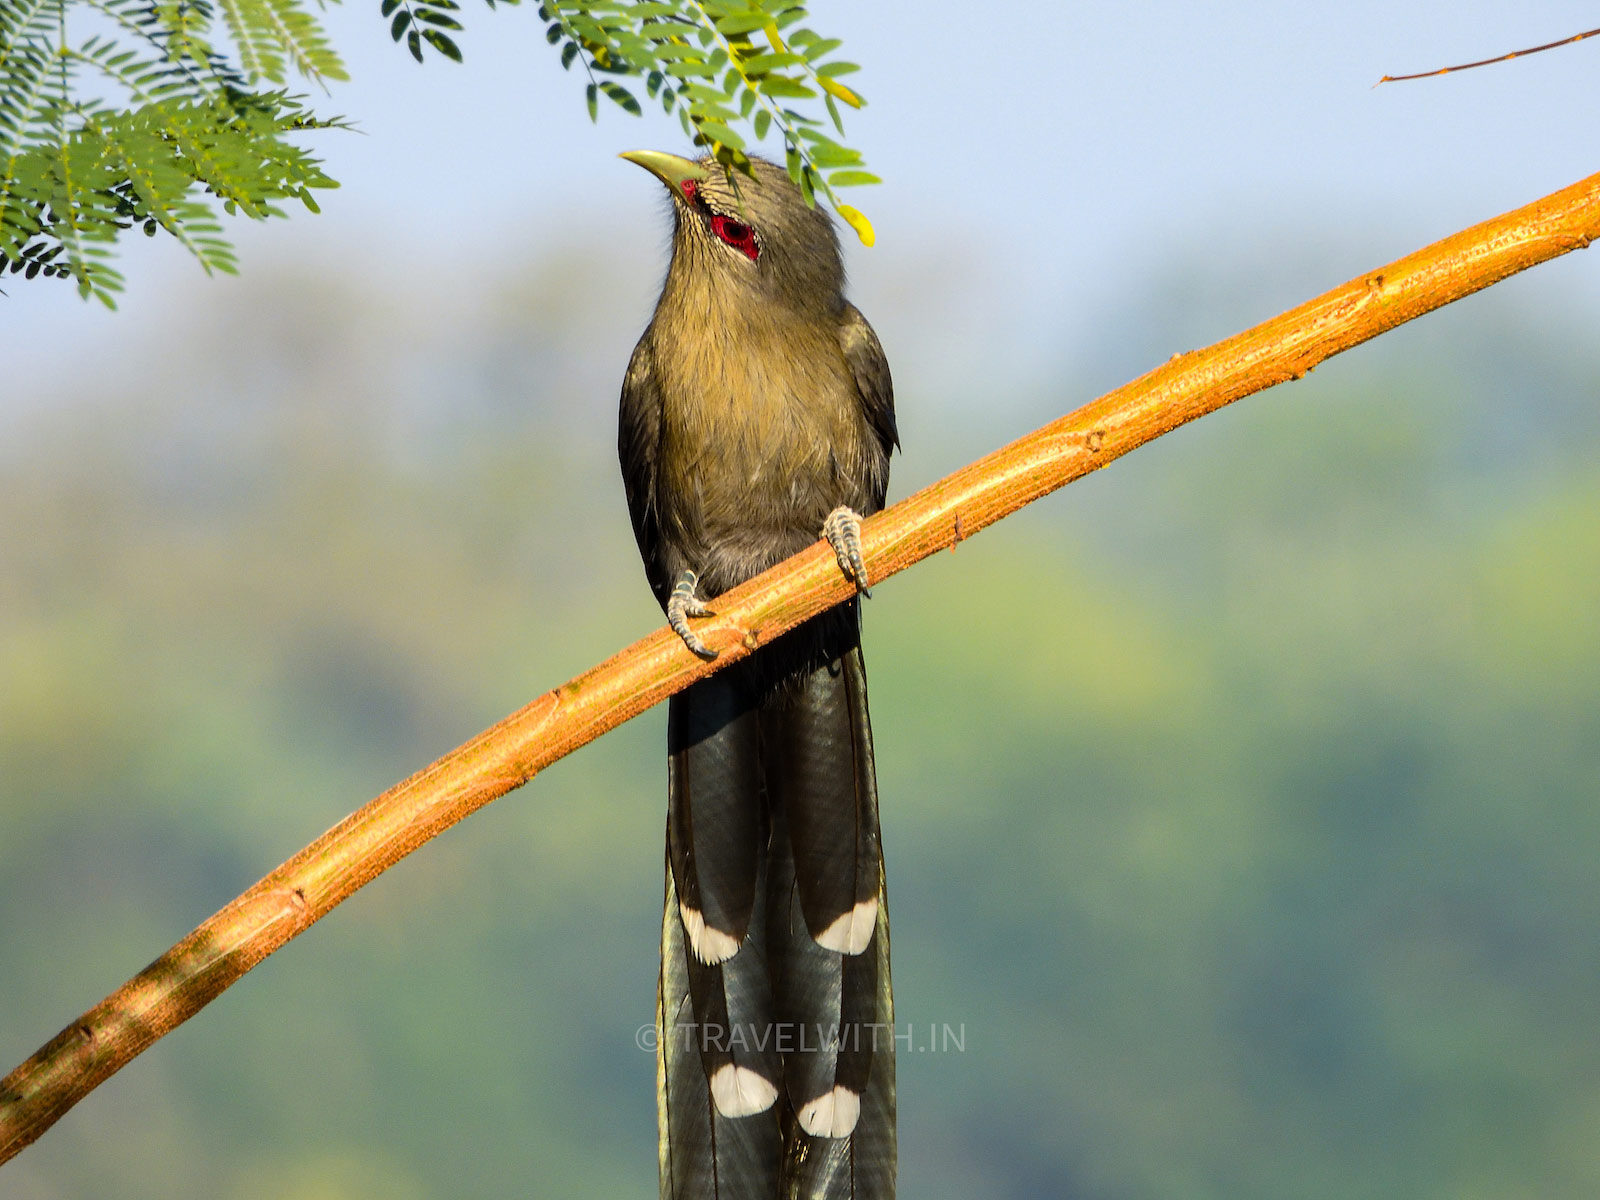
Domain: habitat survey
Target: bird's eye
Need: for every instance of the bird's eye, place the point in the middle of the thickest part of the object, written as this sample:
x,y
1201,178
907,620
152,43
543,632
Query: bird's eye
x,y
738,235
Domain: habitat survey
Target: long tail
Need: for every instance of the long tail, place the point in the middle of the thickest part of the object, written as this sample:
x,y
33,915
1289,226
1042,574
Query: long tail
x,y
775,1061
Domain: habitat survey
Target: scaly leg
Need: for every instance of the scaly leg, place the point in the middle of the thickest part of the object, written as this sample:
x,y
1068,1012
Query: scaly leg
x,y
683,604
842,529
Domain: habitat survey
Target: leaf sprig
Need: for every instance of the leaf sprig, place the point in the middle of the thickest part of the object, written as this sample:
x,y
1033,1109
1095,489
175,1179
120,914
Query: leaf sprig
x,y
425,21
77,171
719,64
193,125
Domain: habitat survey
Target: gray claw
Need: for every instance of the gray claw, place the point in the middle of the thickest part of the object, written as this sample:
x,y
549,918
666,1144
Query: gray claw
x,y
682,604
843,531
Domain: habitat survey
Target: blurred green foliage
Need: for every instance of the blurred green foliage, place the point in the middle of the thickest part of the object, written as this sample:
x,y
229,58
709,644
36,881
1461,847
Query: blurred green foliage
x,y
1240,803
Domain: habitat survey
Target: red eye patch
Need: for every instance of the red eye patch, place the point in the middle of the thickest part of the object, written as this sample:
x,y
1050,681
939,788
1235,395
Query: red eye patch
x,y
690,189
738,235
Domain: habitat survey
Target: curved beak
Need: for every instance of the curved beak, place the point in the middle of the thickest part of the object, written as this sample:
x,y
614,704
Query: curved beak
x,y
669,168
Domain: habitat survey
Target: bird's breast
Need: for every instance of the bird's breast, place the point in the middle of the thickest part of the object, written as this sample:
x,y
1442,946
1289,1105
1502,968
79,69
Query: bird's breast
x,y
762,436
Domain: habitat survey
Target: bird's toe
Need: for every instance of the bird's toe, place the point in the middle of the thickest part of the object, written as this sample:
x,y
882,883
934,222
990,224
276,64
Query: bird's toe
x,y
683,603
842,529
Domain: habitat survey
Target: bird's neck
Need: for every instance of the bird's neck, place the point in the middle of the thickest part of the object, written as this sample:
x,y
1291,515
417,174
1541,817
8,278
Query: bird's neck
x,y
702,288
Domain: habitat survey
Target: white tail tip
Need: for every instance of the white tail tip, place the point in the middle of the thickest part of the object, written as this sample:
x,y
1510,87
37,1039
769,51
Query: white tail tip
x,y
740,1092
852,932
710,946
833,1115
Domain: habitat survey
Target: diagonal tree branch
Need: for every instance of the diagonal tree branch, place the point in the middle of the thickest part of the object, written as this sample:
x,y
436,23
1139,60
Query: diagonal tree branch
x,y
370,841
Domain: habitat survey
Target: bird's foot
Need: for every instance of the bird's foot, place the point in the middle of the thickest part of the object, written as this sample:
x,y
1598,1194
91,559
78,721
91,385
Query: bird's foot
x,y
684,603
843,531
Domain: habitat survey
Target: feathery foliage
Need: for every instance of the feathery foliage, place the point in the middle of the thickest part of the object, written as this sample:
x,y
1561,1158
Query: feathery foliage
x,y
719,64
187,124
195,121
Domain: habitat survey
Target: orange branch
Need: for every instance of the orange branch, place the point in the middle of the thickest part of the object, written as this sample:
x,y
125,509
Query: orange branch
x,y
370,841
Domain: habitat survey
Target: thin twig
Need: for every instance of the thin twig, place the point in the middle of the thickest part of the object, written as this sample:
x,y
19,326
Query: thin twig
x,y
370,841
1486,62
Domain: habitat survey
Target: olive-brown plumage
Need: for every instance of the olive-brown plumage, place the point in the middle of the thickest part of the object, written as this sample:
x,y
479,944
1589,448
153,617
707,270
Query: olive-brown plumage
x,y
757,413
758,399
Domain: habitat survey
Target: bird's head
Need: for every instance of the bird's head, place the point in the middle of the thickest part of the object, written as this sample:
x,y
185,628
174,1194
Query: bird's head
x,y
751,233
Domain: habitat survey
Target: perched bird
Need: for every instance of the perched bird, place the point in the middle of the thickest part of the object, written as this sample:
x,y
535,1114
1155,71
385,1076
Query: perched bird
x,y
757,416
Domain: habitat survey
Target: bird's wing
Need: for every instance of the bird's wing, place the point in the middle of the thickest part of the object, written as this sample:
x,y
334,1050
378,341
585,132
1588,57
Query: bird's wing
x,y
870,368
638,447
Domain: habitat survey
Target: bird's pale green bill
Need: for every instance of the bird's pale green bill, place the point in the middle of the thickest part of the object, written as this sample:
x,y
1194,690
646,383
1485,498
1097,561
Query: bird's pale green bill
x,y
669,168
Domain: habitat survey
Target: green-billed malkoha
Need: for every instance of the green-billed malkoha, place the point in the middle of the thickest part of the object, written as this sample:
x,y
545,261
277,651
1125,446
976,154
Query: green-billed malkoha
x,y
758,416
